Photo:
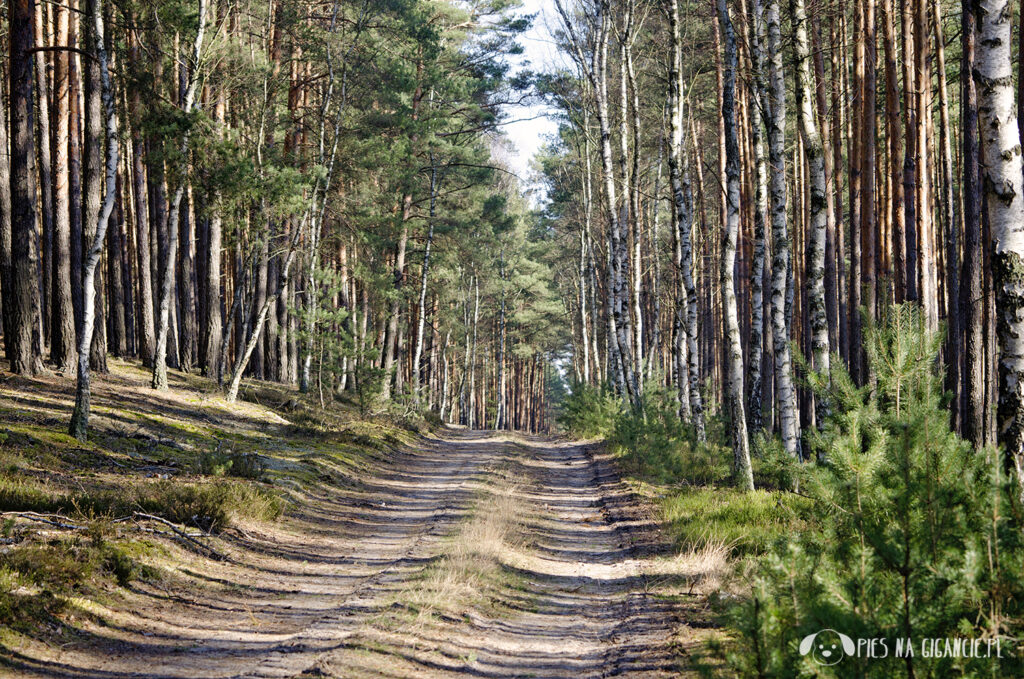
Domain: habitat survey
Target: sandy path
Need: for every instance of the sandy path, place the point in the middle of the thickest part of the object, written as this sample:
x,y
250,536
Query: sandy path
x,y
315,589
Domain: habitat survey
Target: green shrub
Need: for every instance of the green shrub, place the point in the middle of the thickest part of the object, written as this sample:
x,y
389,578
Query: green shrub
x,y
237,464
774,468
213,463
658,446
919,536
589,412
38,578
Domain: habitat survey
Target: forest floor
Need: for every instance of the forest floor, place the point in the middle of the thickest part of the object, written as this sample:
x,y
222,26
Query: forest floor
x,y
453,553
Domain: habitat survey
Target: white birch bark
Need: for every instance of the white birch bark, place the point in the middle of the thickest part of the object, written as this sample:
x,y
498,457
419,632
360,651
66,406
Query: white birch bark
x,y
692,355
742,470
758,93
424,273
1002,174
167,284
681,219
776,123
596,70
79,427
815,153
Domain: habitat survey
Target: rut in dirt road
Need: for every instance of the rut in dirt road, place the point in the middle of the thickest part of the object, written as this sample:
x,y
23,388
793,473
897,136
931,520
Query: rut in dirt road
x,y
570,599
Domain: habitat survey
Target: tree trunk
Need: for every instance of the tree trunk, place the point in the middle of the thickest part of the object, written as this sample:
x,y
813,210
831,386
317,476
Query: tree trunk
x,y
75,172
815,154
167,284
92,189
1004,176
62,321
895,136
742,470
775,103
7,276
118,331
80,416
927,256
758,91
951,229
681,217
971,296
23,325
868,126
45,161
187,340
210,343
421,316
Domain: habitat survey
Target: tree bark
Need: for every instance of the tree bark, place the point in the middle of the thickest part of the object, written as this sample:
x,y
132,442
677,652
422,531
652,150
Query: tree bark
x,y
23,320
63,350
758,92
167,283
776,106
971,295
92,189
742,470
815,154
868,127
421,316
45,160
1003,179
80,416
7,276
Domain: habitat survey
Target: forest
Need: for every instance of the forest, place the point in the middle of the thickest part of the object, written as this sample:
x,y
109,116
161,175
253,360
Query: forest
x,y
773,258
296,193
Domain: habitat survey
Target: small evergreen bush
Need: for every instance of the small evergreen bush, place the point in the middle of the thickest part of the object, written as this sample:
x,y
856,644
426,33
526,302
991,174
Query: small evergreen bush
x,y
919,536
589,411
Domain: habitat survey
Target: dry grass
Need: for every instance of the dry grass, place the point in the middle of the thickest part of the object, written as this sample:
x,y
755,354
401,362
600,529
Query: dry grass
x,y
702,567
470,567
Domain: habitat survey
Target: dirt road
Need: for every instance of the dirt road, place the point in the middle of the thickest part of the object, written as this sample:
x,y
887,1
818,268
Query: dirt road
x,y
478,556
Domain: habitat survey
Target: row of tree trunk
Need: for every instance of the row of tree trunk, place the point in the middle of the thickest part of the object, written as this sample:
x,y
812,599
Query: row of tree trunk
x,y
876,200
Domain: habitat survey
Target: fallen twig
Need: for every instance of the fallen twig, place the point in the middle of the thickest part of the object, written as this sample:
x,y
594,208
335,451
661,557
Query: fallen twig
x,y
42,518
61,521
213,552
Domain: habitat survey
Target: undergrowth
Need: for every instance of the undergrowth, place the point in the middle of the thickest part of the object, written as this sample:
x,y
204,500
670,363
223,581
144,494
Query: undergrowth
x,y
688,477
205,465
40,579
901,529
209,506
920,535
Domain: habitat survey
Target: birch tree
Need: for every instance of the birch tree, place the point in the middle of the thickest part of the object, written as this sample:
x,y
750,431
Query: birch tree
x,y
686,363
596,70
1004,187
167,284
775,103
755,29
815,153
742,470
80,416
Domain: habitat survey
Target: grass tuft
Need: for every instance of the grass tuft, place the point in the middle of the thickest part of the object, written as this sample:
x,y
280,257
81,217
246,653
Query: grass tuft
x,y
209,506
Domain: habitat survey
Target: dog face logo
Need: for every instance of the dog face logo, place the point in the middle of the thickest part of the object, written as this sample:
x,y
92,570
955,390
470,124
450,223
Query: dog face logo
x,y
827,646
